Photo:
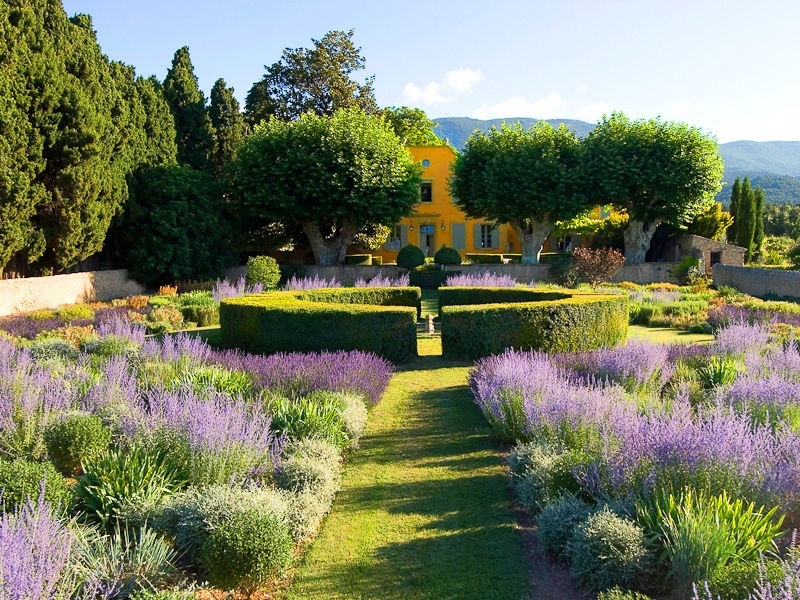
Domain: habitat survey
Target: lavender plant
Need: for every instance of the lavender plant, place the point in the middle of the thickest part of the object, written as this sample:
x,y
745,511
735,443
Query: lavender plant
x,y
485,279
224,288
381,280
310,283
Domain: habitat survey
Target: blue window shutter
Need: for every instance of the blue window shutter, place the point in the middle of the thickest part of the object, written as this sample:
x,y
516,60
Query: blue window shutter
x,y
403,235
476,236
495,237
458,236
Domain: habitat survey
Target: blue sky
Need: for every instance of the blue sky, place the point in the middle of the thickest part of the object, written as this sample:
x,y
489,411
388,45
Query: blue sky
x,y
727,67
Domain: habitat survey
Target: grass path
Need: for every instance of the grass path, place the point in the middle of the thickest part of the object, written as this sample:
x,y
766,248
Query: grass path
x,y
424,508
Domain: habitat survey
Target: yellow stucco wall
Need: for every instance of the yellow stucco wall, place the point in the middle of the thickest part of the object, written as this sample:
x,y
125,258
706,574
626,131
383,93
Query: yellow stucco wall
x,y
440,222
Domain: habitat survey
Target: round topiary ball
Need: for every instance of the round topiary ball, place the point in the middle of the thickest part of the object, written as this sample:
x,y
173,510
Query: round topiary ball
x,y
447,256
410,256
263,270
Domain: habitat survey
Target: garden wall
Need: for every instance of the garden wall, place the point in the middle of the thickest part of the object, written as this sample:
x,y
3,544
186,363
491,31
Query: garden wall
x,y
759,282
34,293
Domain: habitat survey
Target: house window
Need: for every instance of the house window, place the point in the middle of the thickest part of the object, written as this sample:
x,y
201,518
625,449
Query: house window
x,y
395,240
426,192
486,236
716,258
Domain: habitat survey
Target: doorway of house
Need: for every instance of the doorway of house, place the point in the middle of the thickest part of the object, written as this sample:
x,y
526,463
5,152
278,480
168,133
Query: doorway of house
x,y
426,239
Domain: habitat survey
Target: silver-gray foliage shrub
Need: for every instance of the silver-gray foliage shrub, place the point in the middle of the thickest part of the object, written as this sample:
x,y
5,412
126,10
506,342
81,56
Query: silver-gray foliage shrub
x,y
557,522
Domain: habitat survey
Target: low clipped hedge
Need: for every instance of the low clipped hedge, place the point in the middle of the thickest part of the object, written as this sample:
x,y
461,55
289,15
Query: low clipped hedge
x,y
478,322
378,320
484,259
358,259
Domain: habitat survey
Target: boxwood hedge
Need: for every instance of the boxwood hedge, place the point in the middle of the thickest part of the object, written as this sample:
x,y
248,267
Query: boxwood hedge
x,y
379,320
477,322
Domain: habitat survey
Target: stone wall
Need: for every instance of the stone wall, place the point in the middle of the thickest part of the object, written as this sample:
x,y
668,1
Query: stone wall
x,y
34,293
759,282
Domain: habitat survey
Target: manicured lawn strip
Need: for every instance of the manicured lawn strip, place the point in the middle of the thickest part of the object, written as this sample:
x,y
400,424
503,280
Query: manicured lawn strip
x,y
424,510
667,335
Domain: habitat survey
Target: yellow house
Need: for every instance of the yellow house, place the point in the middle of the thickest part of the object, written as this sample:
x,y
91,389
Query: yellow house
x,y
437,221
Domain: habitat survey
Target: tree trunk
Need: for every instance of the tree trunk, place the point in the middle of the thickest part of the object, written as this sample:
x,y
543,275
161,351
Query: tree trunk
x,y
329,252
532,238
637,240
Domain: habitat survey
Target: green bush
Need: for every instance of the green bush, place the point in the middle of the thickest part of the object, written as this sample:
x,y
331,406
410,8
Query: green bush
x,y
737,580
358,259
22,479
429,276
74,438
378,320
138,475
312,472
263,270
607,550
447,256
557,522
617,593
247,550
484,259
528,319
111,345
540,473
410,256
52,349
198,307
308,417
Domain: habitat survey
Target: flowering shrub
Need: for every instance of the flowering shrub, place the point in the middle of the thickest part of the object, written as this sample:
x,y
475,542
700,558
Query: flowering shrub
x,y
484,279
310,283
403,280
225,289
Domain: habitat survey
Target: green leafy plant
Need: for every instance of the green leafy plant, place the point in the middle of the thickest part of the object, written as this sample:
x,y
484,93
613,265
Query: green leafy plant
x,y
717,371
21,479
308,417
247,550
608,550
263,270
74,438
617,593
138,474
557,522
701,533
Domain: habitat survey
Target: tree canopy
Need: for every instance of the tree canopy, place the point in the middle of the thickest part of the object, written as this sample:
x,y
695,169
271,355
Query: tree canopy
x,y
412,126
72,126
658,171
316,80
228,125
527,178
331,175
195,134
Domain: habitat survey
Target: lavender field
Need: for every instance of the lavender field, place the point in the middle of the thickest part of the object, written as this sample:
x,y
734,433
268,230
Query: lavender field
x,y
132,464
659,467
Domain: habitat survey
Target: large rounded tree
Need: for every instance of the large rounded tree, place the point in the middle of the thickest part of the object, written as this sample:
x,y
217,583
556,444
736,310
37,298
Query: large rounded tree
x,y
657,171
330,175
528,178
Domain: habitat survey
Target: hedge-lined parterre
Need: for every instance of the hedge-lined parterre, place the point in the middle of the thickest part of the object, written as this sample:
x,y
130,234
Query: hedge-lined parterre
x,y
379,320
478,322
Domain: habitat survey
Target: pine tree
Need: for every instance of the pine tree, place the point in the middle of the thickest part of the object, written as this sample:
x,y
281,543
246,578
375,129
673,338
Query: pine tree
x,y
228,123
195,135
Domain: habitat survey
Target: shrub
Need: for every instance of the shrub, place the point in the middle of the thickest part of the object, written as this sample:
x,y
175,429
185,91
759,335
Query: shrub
x,y
736,580
617,593
247,550
447,256
312,471
52,349
410,256
136,475
608,550
111,345
263,270
358,259
74,438
21,480
596,266
377,320
540,473
557,522
163,319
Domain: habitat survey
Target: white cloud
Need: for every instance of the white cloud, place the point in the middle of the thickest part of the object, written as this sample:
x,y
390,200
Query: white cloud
x,y
591,113
549,107
454,83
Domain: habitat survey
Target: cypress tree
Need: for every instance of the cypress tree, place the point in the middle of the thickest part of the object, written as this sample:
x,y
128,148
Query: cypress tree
x,y
194,132
758,226
228,123
747,219
736,195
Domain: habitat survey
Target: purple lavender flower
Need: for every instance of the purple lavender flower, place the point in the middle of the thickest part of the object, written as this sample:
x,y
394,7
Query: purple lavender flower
x,y
225,289
35,554
484,279
310,283
739,337
298,374
177,348
115,321
380,280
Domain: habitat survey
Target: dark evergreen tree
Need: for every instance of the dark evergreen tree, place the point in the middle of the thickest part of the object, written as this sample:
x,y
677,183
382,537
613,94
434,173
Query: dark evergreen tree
x,y
746,215
315,80
758,226
736,196
195,134
228,123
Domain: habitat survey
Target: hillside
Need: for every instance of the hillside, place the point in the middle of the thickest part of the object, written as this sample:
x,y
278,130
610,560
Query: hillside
x,y
775,166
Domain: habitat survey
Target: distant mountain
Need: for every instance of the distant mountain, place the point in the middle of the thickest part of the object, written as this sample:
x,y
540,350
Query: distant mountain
x,y
775,166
